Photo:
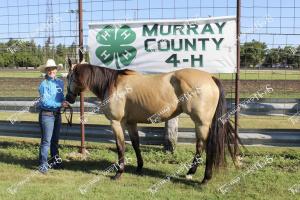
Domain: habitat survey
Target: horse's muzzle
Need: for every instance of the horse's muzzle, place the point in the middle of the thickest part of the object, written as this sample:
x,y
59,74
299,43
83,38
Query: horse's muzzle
x,y
70,98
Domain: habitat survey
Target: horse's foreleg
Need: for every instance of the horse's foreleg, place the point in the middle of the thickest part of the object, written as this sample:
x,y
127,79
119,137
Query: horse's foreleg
x,y
120,142
134,137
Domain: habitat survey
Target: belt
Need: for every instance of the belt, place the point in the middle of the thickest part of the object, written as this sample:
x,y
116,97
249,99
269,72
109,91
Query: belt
x,y
49,112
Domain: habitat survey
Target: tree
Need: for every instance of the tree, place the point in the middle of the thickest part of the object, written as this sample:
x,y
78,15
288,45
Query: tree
x,y
252,53
60,53
289,56
272,57
298,57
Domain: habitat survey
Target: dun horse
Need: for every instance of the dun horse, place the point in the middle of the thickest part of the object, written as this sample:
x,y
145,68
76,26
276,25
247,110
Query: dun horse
x,y
129,97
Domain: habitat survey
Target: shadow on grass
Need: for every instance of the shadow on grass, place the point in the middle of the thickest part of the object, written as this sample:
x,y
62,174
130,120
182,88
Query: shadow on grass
x,y
88,166
20,144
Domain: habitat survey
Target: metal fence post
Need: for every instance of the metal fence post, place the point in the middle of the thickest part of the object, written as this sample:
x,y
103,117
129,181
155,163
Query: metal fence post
x,y
82,147
237,77
171,134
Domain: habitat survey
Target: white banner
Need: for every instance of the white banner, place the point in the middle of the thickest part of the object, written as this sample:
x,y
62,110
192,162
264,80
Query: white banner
x,y
208,44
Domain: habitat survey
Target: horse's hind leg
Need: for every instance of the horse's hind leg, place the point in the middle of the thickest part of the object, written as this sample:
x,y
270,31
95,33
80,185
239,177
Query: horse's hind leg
x,y
208,168
201,133
134,137
120,142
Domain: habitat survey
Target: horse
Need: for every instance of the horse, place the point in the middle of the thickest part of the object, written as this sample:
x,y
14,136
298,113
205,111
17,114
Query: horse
x,y
129,97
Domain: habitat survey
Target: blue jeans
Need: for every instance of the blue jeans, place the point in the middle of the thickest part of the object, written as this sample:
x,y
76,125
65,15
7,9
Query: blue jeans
x,y
50,124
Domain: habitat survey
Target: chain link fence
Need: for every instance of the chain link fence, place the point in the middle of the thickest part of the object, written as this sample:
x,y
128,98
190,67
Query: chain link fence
x,y
32,31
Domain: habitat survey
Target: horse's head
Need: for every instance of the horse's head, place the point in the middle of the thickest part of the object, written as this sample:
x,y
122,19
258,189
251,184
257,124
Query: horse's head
x,y
74,85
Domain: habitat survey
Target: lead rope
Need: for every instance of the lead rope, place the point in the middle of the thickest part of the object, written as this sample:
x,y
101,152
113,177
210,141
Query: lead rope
x,y
68,118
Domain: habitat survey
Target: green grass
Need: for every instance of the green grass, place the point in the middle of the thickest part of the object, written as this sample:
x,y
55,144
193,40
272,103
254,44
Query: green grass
x,y
19,74
19,160
254,122
263,75
244,74
22,74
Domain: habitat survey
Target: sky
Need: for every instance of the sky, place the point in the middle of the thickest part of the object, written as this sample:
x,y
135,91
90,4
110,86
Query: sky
x,y
275,22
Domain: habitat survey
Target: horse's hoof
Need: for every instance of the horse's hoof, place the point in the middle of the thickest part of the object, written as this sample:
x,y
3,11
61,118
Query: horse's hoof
x,y
189,177
204,181
117,176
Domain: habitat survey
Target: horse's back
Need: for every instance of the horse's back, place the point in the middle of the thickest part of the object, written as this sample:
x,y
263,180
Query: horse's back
x,y
161,93
194,76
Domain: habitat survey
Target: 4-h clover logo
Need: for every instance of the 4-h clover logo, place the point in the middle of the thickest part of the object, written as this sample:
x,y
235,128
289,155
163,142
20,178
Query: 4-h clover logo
x,y
115,45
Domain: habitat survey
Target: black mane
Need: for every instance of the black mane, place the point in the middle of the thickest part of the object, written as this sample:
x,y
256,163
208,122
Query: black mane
x,y
99,80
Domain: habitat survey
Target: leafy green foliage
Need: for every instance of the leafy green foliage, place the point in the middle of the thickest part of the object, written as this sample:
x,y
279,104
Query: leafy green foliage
x,y
20,53
256,54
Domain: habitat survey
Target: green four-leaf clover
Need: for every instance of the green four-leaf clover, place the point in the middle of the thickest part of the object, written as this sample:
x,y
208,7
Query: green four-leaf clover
x,y
115,45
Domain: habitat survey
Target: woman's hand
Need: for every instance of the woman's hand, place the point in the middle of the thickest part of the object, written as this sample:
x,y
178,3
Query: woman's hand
x,y
65,104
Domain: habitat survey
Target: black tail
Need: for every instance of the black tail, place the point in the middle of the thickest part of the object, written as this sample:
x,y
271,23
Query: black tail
x,y
221,133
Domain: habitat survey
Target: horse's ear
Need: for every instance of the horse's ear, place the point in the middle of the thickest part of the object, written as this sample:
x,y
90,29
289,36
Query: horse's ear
x,y
70,64
83,62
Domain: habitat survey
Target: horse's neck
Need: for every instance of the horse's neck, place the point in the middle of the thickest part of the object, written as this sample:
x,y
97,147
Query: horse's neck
x,y
96,86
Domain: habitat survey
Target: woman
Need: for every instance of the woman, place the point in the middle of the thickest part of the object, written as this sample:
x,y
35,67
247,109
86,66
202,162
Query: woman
x,y
51,100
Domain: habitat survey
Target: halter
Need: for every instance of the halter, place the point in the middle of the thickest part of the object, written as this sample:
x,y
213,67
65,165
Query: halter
x,y
70,79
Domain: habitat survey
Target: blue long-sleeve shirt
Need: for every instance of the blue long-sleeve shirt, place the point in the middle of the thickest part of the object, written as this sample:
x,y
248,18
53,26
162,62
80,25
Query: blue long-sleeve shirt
x,y
51,94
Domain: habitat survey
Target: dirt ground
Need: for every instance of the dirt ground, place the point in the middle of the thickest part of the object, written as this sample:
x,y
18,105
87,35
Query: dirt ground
x,y
251,86
27,87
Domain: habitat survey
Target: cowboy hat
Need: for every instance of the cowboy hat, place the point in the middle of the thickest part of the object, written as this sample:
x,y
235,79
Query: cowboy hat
x,y
49,64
